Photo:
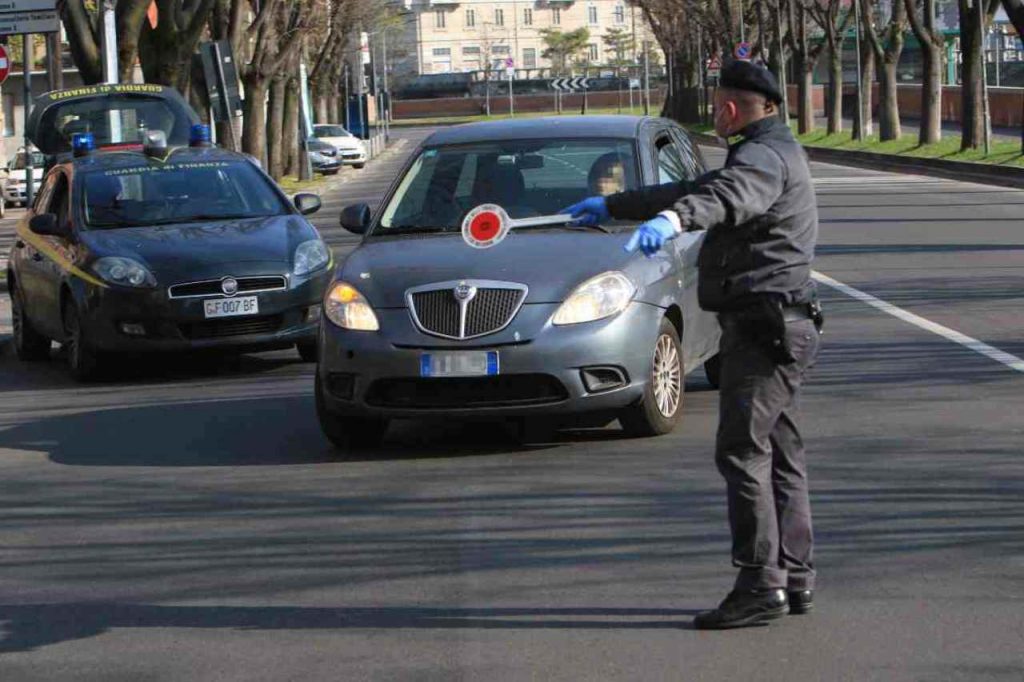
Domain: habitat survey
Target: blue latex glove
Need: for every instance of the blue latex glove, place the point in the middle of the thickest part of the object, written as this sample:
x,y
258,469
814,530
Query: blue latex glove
x,y
651,236
590,211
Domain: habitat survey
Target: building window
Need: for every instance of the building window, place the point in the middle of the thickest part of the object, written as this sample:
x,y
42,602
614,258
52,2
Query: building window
x,y
620,14
443,52
439,19
556,16
528,17
592,52
499,17
471,50
592,15
530,58
500,49
470,18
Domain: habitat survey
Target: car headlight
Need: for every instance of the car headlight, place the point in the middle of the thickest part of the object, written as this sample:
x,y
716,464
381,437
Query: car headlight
x,y
310,256
347,308
124,272
599,297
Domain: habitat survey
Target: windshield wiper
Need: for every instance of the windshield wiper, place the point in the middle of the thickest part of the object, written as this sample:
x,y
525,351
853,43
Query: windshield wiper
x,y
564,226
411,229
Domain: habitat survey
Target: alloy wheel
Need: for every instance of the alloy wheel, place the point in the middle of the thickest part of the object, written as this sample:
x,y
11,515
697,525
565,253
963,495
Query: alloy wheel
x,y
667,376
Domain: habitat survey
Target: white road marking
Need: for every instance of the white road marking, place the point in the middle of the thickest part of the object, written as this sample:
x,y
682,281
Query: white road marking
x,y
1011,361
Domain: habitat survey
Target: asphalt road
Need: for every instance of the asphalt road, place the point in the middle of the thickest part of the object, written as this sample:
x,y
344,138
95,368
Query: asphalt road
x,y
187,522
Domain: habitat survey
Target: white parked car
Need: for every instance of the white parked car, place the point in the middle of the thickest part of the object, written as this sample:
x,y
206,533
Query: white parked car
x,y
350,148
14,177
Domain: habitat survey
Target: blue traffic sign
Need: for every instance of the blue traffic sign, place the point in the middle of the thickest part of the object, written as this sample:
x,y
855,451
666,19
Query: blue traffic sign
x,y
743,50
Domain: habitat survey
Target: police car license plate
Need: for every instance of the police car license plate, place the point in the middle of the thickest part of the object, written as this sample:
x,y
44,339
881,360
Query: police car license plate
x,y
231,307
459,364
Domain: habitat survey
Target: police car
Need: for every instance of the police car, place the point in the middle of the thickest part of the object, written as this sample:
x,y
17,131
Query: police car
x,y
137,244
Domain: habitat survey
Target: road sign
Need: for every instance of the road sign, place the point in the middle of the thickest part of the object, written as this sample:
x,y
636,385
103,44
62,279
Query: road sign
x,y
221,79
14,23
5,64
27,5
634,83
743,50
570,84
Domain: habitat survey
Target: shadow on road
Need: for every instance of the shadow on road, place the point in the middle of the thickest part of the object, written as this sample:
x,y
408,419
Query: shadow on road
x,y
30,626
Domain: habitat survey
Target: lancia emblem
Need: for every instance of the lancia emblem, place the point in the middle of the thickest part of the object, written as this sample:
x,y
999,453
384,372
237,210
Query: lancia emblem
x,y
464,292
229,285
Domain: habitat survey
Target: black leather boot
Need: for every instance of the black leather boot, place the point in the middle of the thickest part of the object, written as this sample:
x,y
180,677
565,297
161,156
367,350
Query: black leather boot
x,y
800,601
744,608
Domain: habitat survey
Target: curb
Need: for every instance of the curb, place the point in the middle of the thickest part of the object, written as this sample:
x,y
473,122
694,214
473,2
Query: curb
x,y
964,171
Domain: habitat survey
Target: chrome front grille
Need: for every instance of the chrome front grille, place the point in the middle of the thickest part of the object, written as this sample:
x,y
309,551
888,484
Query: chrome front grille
x,y
212,287
465,309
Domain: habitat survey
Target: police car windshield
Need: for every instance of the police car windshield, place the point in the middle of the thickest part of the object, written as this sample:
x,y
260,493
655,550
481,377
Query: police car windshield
x,y
183,192
525,177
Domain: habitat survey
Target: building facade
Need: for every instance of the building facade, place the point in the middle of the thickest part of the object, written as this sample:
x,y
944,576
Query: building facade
x,y
460,36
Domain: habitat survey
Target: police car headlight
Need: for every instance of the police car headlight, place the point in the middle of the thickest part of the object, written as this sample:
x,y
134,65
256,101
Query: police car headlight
x,y
310,256
124,272
599,297
347,308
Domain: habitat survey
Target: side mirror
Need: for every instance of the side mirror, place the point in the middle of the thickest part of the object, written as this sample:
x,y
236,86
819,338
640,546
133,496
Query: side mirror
x,y
46,224
356,218
307,203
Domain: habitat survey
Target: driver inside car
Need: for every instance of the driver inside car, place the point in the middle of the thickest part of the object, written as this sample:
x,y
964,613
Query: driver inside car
x,y
607,175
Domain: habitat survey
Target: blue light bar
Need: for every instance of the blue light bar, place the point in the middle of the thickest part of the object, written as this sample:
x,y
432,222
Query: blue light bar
x,y
199,136
82,143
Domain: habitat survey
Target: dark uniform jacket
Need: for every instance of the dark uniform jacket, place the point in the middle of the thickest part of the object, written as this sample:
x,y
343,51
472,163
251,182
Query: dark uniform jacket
x,y
760,213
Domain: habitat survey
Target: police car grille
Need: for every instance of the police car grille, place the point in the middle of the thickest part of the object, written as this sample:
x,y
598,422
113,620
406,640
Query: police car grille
x,y
511,390
216,329
438,311
212,287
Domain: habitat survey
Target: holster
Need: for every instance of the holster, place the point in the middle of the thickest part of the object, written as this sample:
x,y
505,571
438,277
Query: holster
x,y
764,324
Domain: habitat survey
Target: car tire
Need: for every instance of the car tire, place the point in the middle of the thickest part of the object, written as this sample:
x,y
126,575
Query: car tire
x,y
307,350
348,434
713,370
332,172
84,363
29,345
661,407
359,166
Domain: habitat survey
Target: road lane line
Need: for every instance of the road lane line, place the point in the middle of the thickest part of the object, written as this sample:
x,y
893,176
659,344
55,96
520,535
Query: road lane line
x,y
1011,361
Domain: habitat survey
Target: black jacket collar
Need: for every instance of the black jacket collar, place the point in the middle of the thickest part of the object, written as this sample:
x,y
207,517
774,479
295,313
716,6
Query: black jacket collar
x,y
764,127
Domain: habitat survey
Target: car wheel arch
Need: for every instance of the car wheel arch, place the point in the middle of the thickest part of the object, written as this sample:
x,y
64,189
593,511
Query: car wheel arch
x,y
675,315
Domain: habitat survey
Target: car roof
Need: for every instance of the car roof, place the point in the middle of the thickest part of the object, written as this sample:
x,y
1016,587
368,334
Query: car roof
x,y
545,127
129,158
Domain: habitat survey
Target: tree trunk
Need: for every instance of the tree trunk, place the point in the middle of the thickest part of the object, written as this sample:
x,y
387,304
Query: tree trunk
x,y
889,103
291,127
683,104
867,81
971,91
322,114
931,95
54,64
254,127
805,94
835,88
332,108
275,129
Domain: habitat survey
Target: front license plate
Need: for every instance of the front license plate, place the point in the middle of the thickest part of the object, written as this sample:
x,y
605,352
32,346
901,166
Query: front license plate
x,y
459,364
230,307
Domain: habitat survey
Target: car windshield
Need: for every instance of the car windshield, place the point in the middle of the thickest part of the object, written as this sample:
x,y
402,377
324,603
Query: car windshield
x,y
184,192
527,178
330,131
18,162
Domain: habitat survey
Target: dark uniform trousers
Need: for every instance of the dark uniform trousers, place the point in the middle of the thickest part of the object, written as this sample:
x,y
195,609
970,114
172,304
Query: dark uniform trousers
x,y
760,454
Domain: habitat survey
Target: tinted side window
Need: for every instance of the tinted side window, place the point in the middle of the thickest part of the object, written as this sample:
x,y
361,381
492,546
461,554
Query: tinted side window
x,y
670,163
59,200
42,200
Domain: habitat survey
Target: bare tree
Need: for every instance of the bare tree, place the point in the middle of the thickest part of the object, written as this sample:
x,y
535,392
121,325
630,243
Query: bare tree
x,y
1015,11
932,42
833,20
82,25
805,57
972,93
165,52
887,49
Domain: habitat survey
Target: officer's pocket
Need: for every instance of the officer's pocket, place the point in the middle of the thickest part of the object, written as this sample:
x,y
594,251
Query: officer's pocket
x,y
804,342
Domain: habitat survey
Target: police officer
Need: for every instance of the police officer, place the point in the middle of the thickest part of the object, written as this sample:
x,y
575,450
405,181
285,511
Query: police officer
x,y
755,272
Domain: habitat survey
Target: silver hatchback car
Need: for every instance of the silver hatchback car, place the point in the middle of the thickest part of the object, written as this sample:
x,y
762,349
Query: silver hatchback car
x,y
470,295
